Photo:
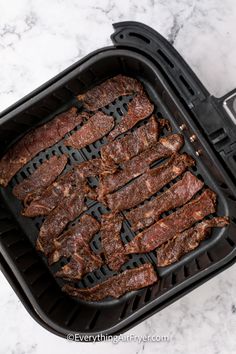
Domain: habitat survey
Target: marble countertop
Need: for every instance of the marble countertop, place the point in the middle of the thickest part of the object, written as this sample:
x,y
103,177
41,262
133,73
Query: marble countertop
x,y
38,39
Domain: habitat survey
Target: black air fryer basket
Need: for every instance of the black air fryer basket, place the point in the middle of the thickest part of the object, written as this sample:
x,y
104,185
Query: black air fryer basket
x,y
208,125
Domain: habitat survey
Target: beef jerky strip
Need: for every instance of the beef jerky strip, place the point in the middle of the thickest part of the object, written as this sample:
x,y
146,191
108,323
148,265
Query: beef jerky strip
x,y
37,140
149,183
80,264
72,240
165,147
67,210
184,242
95,128
94,167
132,144
108,91
168,227
177,195
52,195
112,244
138,109
116,286
41,178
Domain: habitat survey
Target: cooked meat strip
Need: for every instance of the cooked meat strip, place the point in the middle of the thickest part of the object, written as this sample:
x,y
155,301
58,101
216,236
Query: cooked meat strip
x,y
165,147
72,240
149,183
67,210
138,109
168,227
108,91
112,244
132,144
55,193
42,177
95,128
94,167
52,195
116,286
37,140
184,242
177,195
84,262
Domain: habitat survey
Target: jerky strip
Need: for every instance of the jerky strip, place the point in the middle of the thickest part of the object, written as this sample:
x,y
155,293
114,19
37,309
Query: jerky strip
x,y
37,140
139,164
149,183
80,264
52,195
187,241
42,177
166,228
132,144
94,167
72,240
108,91
116,286
67,210
177,195
112,244
95,128
138,109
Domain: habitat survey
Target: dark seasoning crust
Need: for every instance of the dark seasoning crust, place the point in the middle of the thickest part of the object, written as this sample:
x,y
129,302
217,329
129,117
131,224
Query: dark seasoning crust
x,y
126,179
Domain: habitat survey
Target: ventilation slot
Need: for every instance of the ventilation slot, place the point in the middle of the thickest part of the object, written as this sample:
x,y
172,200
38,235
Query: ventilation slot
x,y
124,311
43,291
197,264
94,320
174,279
136,303
186,272
140,36
219,137
54,305
210,257
148,295
72,316
186,84
165,58
230,242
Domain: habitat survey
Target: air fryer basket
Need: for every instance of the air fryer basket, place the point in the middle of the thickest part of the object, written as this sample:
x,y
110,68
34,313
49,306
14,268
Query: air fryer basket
x,y
186,103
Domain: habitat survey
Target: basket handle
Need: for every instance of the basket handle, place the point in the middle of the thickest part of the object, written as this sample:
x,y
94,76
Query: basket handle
x,y
150,43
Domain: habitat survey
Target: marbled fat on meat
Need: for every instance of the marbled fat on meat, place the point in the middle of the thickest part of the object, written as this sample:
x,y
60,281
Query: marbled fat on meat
x,y
67,210
41,178
105,93
116,286
187,241
149,183
94,129
112,244
138,109
177,195
165,147
166,228
37,140
74,239
80,263
132,144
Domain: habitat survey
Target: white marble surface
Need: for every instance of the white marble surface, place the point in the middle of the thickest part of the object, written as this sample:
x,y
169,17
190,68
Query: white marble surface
x,y
40,38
